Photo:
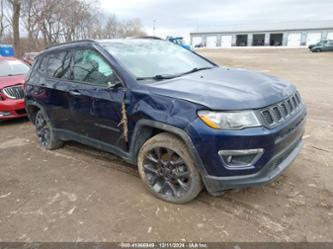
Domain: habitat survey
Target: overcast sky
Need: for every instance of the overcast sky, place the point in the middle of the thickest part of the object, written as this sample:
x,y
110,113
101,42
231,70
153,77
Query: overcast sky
x,y
179,17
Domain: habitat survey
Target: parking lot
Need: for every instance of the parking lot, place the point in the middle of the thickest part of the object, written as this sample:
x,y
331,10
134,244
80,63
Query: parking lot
x,y
80,194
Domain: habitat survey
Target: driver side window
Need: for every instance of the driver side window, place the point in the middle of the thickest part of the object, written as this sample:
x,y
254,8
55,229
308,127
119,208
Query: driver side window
x,y
90,67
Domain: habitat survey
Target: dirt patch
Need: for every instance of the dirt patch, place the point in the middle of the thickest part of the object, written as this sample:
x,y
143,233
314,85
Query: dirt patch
x,y
16,142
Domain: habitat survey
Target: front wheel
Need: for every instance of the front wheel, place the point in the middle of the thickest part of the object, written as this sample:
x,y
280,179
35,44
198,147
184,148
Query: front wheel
x,y
167,169
46,137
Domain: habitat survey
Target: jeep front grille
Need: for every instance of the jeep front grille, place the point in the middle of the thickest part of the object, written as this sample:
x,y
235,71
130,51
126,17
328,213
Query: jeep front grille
x,y
14,92
273,115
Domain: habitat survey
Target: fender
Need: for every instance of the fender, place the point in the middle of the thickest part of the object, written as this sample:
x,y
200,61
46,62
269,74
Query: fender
x,y
141,124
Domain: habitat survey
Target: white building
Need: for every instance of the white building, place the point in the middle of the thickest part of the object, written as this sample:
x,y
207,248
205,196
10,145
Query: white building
x,y
291,34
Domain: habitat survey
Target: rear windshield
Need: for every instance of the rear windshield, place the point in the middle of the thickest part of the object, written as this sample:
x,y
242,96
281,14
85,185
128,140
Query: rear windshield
x,y
13,67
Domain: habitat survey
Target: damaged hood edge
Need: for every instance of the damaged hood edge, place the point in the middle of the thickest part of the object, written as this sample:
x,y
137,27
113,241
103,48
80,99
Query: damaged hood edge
x,y
225,89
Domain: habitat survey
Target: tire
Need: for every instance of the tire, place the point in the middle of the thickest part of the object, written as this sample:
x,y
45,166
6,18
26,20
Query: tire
x,y
45,134
167,169
318,50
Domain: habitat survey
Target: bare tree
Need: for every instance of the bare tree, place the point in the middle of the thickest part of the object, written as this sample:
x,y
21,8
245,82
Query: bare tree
x,y
3,22
30,20
48,22
16,12
114,28
132,27
111,29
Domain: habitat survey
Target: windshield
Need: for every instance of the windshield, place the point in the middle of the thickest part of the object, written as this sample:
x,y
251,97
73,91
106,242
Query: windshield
x,y
12,67
148,58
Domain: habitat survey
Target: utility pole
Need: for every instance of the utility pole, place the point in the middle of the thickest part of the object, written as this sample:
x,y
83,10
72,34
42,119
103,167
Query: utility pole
x,y
154,27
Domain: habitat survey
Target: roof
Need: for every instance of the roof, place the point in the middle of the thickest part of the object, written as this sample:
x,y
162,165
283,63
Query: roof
x,y
78,43
266,26
100,41
55,46
134,40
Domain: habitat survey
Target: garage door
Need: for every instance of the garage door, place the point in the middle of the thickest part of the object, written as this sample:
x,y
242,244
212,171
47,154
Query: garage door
x,y
313,38
294,40
196,41
226,41
211,41
330,36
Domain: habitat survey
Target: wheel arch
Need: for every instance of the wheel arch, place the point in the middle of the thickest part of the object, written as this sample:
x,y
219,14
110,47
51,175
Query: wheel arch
x,y
32,109
145,129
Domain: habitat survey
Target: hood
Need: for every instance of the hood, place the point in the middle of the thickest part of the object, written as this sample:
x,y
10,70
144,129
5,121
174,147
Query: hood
x,y
226,89
6,81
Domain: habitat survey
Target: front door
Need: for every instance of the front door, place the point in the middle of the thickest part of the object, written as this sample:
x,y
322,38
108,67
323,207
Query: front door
x,y
96,101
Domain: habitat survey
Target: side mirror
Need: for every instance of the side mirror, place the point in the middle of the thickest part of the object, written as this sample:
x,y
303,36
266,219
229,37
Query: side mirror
x,y
115,84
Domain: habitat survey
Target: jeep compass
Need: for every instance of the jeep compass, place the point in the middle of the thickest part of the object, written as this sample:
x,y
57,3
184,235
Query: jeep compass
x,y
187,123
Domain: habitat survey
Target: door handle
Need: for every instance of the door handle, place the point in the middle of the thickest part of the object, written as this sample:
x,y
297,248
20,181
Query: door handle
x,y
75,93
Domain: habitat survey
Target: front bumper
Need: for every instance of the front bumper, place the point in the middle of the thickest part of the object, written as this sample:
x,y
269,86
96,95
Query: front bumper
x,y
274,168
280,146
10,109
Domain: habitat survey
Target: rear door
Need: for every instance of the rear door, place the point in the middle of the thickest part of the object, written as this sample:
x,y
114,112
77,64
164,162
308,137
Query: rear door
x,y
50,87
96,103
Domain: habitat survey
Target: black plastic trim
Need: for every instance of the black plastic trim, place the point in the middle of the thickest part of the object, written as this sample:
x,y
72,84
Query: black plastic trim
x,y
217,185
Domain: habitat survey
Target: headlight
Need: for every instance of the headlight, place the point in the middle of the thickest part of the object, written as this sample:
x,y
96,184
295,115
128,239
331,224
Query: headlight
x,y
229,120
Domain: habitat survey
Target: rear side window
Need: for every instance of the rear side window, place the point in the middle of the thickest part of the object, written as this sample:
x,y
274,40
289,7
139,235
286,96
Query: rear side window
x,y
57,65
90,67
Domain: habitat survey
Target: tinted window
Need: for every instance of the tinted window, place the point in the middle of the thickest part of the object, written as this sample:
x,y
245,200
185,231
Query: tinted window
x,y
57,65
89,66
13,67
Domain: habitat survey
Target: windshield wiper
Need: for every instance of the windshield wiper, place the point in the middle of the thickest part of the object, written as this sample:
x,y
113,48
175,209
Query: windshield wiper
x,y
196,69
158,77
170,76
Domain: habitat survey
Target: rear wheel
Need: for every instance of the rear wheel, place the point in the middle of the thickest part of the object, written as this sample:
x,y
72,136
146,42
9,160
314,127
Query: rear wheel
x,y
167,169
46,137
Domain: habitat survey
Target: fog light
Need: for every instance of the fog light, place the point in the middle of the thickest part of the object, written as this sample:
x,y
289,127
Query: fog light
x,y
240,159
5,114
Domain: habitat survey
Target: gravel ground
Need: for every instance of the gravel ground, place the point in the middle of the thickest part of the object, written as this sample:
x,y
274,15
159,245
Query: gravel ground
x,y
80,194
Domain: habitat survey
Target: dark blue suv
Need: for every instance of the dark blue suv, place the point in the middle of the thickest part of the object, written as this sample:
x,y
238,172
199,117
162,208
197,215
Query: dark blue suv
x,y
185,122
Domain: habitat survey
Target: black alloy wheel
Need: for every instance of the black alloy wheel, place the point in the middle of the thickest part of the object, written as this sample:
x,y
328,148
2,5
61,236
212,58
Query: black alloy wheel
x,y
43,130
167,169
167,173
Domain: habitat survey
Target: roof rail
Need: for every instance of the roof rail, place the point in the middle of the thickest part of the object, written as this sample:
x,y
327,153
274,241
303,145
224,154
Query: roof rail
x,y
68,43
150,37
